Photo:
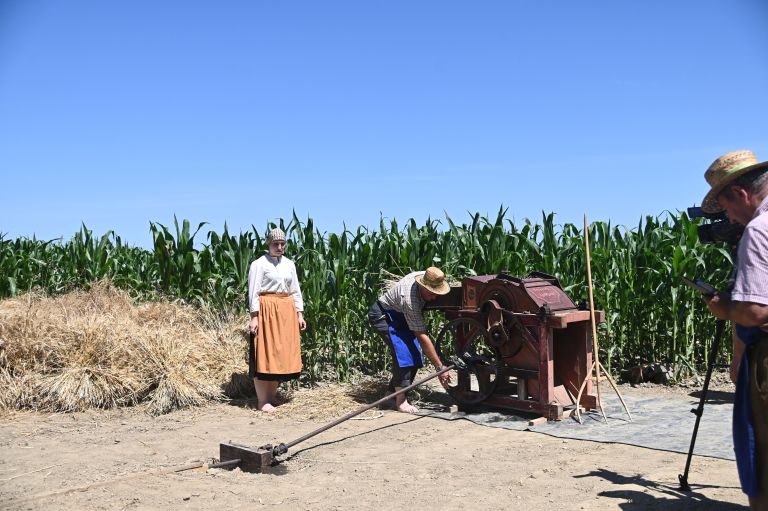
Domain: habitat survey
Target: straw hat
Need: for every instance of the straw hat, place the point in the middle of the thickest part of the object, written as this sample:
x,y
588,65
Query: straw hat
x,y
723,171
434,280
275,235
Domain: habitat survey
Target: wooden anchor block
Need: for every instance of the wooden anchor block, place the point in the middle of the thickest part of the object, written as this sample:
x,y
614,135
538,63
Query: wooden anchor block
x,y
538,421
251,460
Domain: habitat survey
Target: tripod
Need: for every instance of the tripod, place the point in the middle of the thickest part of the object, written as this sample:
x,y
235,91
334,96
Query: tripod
x,y
719,326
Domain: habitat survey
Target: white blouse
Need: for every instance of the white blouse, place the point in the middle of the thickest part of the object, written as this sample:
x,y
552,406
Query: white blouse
x,y
269,274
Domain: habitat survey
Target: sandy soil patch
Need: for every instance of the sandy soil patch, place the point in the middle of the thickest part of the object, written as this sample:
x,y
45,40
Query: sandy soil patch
x,y
110,460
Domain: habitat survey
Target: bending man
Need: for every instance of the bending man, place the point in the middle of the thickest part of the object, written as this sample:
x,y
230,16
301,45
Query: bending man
x,y
398,317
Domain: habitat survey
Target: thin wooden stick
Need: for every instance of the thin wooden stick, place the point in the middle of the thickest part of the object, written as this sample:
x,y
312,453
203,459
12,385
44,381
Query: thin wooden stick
x,y
581,389
596,365
592,319
31,472
616,389
613,384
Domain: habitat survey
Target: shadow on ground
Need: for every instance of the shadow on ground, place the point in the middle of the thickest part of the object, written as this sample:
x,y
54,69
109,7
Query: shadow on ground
x,y
368,391
714,397
239,386
658,496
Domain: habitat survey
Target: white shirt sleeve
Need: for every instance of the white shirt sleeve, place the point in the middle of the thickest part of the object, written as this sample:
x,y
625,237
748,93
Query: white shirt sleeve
x,y
255,276
295,290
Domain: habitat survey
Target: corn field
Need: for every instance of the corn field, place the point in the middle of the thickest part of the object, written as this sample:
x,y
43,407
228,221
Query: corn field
x,y
636,272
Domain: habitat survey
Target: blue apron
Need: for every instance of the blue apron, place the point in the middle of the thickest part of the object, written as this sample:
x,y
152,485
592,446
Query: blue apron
x,y
407,348
743,429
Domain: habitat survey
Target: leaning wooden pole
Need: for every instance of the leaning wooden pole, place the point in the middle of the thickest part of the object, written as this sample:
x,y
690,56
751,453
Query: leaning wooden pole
x,y
596,365
596,360
616,389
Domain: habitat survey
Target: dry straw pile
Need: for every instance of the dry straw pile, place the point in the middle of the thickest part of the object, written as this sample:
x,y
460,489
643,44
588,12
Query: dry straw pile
x,y
98,349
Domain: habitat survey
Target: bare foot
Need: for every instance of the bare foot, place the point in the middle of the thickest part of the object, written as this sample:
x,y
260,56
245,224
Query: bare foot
x,y
268,408
407,407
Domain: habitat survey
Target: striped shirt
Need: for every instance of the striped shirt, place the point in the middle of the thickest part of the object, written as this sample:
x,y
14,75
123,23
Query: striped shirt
x,y
752,268
404,297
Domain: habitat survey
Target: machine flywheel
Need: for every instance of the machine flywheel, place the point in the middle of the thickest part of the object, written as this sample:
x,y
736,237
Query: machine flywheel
x,y
470,340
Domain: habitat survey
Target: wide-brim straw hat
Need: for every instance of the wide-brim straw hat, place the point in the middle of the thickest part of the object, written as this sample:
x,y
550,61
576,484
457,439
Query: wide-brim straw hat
x,y
434,280
723,171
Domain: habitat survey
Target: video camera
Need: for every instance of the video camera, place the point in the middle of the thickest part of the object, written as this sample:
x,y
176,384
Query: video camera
x,y
720,230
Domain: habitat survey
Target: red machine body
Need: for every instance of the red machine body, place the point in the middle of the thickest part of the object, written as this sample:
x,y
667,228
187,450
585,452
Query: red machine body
x,y
532,344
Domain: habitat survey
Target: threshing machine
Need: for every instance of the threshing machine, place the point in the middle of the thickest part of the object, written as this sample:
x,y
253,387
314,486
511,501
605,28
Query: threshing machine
x,y
530,344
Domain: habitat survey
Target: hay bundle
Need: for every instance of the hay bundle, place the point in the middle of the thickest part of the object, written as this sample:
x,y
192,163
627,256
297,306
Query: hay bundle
x,y
227,334
79,388
177,371
388,280
16,392
96,348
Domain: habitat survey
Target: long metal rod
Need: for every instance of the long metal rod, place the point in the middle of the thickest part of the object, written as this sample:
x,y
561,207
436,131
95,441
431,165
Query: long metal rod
x,y
366,408
225,464
699,411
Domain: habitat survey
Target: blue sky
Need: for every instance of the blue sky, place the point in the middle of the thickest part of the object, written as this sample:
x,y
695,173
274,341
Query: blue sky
x,y
120,113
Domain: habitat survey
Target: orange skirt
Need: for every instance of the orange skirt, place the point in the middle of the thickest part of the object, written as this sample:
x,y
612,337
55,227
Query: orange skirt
x,y
275,354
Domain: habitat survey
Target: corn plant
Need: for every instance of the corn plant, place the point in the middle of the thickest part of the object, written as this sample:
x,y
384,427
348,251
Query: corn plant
x,y
636,272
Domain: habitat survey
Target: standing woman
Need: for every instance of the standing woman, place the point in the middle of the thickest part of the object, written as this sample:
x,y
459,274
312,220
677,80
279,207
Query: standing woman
x,y
275,304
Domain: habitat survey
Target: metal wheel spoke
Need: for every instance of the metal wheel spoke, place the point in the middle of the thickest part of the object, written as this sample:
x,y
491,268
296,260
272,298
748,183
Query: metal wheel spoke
x,y
470,340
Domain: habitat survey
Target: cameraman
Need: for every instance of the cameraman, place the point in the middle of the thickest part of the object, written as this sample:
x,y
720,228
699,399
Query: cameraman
x,y
740,187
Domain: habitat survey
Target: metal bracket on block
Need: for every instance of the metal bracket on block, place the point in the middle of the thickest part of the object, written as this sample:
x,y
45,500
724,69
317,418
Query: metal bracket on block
x,y
259,460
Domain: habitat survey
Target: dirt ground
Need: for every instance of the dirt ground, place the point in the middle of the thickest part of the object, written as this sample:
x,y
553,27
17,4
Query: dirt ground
x,y
115,459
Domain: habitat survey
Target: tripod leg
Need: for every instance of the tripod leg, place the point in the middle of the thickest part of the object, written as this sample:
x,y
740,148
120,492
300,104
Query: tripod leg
x,y
683,478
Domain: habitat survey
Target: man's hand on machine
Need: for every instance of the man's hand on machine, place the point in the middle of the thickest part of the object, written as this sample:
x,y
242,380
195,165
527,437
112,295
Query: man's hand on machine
x,y
444,378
